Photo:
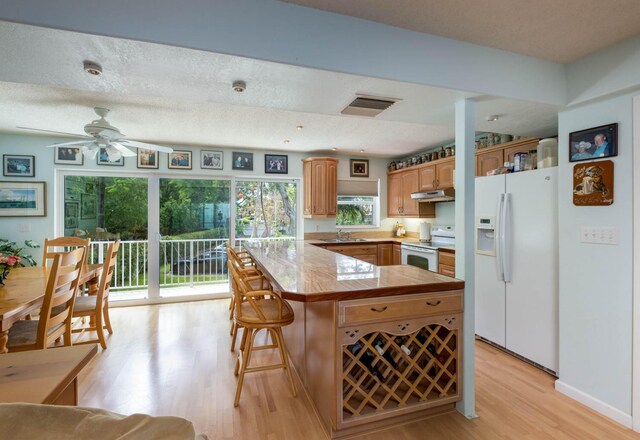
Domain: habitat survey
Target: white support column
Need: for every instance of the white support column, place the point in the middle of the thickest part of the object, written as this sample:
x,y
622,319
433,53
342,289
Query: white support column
x,y
154,257
465,266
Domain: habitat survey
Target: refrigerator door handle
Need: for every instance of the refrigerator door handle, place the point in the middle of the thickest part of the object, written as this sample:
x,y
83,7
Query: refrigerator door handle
x,y
506,238
498,239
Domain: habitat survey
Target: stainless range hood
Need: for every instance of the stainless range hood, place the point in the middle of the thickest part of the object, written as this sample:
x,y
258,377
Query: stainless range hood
x,y
438,195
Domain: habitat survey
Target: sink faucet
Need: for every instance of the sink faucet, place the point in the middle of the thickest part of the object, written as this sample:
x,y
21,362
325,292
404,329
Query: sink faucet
x,y
343,235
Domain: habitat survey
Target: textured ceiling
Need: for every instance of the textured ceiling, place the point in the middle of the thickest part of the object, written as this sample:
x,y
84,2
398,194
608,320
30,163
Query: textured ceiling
x,y
183,97
556,30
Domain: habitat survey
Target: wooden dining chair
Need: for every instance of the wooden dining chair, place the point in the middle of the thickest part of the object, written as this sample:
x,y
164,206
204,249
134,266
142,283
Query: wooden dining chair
x,y
57,307
96,307
257,310
52,247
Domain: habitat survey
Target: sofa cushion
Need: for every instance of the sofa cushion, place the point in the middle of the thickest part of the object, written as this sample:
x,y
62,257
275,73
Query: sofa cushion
x,y
29,421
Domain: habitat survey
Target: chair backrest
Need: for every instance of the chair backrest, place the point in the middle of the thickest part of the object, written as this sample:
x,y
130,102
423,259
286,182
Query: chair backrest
x,y
244,292
66,243
108,268
62,286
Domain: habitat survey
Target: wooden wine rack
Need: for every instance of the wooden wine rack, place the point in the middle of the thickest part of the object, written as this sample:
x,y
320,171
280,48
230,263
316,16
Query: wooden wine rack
x,y
373,383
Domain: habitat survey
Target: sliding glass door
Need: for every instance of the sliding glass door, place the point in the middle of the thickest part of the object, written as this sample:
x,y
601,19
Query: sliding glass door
x,y
173,230
194,230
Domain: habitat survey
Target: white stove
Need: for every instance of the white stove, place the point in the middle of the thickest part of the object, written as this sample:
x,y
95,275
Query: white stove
x,y
425,254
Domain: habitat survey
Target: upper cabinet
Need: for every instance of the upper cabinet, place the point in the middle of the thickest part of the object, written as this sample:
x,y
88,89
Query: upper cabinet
x,y
491,158
437,175
320,181
399,202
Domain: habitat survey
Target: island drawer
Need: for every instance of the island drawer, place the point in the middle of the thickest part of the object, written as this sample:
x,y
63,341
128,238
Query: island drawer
x,y
397,307
354,249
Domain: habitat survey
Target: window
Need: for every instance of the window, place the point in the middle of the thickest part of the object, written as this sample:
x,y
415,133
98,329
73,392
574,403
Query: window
x,y
358,211
265,209
358,204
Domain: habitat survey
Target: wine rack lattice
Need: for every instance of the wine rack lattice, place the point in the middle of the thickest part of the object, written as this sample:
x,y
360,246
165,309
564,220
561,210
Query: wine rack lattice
x,y
383,371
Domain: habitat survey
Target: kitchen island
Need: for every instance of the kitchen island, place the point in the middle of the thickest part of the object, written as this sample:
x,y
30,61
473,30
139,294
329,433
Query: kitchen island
x,y
374,346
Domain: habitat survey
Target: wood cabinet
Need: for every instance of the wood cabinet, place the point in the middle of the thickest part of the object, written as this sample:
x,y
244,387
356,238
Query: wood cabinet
x,y
397,254
320,180
385,254
447,262
445,173
522,148
399,202
488,161
428,178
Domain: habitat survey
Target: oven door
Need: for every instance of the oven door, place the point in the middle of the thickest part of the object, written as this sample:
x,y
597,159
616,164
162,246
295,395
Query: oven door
x,y
420,257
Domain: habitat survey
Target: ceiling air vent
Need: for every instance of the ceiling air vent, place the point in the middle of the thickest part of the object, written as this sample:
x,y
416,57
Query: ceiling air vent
x,y
368,106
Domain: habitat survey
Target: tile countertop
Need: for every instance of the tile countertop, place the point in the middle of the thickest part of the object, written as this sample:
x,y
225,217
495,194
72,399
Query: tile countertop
x,y
304,272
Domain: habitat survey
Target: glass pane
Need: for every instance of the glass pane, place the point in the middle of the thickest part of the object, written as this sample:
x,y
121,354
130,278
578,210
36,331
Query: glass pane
x,y
355,211
105,209
194,224
265,210
421,262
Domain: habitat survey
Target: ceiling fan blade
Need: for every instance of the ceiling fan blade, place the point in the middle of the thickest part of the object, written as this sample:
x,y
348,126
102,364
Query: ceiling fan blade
x,y
138,144
56,132
67,144
124,150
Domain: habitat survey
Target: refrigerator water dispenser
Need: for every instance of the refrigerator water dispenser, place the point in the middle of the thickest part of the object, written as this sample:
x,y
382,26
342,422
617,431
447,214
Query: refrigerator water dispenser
x,y
485,236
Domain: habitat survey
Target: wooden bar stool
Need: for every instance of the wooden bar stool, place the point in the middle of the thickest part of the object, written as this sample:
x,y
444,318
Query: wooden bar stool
x,y
243,261
257,310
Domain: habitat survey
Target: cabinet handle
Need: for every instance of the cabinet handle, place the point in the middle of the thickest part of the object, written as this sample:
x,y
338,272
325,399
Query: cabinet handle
x,y
433,304
373,309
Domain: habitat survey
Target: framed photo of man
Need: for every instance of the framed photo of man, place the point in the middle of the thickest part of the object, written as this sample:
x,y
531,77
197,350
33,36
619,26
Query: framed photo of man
x,y
68,156
211,160
593,143
276,164
242,161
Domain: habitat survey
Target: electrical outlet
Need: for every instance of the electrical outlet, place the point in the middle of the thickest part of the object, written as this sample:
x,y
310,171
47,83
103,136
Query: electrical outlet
x,y
605,235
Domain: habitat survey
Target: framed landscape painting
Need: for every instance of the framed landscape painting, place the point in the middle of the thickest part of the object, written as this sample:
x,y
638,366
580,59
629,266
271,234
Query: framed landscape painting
x,y
18,166
23,199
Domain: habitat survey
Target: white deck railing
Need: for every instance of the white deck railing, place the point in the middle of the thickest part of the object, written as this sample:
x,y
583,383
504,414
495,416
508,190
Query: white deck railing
x,y
182,262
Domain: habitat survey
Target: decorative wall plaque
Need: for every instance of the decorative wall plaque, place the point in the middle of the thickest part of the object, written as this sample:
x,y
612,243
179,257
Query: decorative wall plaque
x,y
593,183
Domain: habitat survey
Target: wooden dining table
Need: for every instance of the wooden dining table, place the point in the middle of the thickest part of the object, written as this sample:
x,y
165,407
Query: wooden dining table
x,y
24,290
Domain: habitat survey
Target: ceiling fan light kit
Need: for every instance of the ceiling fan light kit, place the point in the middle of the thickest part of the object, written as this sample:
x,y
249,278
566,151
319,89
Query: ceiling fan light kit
x,y
100,133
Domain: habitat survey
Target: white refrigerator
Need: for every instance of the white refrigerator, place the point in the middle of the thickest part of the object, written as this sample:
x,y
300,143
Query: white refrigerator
x,y
517,272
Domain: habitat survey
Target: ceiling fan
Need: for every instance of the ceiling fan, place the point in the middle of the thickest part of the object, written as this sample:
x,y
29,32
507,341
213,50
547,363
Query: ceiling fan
x,y
102,134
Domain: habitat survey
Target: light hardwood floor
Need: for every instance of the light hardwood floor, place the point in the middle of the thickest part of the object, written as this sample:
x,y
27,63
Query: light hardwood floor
x,y
174,359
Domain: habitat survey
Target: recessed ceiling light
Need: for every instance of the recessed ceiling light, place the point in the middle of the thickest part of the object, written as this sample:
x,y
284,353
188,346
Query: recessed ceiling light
x,y
492,118
92,68
362,151
334,149
299,127
286,141
239,86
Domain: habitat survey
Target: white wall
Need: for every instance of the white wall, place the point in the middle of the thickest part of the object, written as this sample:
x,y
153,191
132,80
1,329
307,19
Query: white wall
x,y
596,280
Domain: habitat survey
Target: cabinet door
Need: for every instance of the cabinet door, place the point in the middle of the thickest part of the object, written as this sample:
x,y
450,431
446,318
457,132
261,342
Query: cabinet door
x,y
428,178
319,187
307,195
397,254
444,174
486,162
394,188
332,187
385,254
410,185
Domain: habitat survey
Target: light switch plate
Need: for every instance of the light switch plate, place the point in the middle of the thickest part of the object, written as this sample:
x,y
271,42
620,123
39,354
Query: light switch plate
x,y
602,235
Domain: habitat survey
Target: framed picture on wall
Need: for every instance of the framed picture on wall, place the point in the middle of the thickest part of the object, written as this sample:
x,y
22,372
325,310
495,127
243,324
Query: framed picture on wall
x,y
103,159
359,168
147,158
211,160
18,166
276,164
88,206
593,143
71,214
180,160
242,161
23,199
68,156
